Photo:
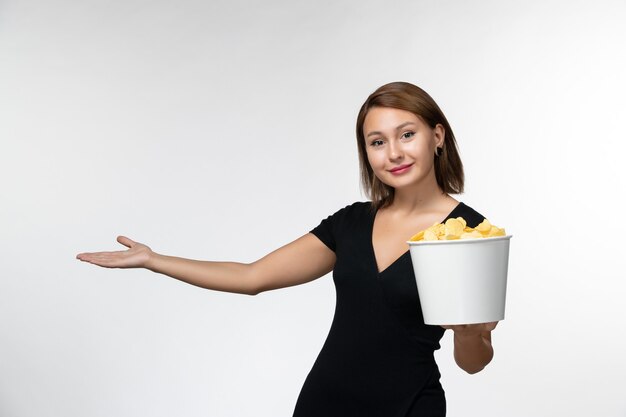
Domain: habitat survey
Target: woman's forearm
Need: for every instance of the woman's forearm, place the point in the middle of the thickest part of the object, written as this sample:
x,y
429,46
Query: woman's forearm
x,y
220,276
472,353
300,261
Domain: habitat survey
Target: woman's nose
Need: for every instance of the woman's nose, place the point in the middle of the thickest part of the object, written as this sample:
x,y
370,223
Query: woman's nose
x,y
395,152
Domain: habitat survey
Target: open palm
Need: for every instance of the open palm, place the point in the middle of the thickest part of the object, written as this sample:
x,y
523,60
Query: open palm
x,y
136,256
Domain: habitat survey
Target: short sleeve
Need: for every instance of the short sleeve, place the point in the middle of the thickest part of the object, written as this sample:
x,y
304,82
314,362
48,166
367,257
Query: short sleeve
x,y
329,228
324,232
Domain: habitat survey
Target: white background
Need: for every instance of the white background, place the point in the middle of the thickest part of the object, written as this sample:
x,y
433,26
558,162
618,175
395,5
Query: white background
x,y
222,130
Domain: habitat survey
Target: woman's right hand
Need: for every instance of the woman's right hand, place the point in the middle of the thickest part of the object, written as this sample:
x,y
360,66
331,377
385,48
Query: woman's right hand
x,y
137,256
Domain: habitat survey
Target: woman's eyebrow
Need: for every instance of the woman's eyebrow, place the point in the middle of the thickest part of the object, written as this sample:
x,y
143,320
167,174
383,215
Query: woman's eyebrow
x,y
397,128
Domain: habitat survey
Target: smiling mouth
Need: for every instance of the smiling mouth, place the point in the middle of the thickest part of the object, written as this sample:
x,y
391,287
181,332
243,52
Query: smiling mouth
x,y
400,168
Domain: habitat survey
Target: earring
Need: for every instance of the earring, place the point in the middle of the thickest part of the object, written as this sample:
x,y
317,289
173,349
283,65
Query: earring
x,y
439,151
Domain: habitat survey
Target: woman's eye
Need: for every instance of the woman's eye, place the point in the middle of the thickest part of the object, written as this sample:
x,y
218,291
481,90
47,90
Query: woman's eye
x,y
408,135
376,142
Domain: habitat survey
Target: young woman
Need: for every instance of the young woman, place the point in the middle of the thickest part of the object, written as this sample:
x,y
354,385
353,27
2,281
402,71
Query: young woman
x,y
378,358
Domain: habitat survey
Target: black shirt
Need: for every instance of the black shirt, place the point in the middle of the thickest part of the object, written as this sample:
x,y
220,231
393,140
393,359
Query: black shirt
x,y
378,358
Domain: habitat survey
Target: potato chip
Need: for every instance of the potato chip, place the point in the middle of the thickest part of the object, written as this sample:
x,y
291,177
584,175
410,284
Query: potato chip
x,y
484,227
496,231
454,229
418,236
474,234
430,235
438,228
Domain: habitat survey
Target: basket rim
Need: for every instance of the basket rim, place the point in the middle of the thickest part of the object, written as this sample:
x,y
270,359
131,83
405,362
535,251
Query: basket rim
x,y
458,241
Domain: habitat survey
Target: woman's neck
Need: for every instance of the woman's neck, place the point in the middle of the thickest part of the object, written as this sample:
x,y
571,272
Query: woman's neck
x,y
419,199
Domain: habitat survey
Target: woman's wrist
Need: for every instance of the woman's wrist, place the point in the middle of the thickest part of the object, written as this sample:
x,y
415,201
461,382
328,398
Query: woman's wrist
x,y
151,261
468,337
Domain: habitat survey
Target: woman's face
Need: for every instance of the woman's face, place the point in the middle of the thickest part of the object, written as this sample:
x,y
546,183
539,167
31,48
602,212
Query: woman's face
x,y
400,146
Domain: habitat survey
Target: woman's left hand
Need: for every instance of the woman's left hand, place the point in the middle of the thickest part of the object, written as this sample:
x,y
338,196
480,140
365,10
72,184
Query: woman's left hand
x,y
472,345
471,329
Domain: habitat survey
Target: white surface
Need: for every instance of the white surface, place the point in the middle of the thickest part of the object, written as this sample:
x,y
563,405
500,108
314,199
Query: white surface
x,y
461,281
193,126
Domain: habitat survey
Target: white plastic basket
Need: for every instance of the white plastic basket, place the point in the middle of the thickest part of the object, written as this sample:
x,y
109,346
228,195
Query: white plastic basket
x,y
461,281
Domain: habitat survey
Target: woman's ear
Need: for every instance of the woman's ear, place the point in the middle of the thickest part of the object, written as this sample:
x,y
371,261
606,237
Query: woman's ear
x,y
440,135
